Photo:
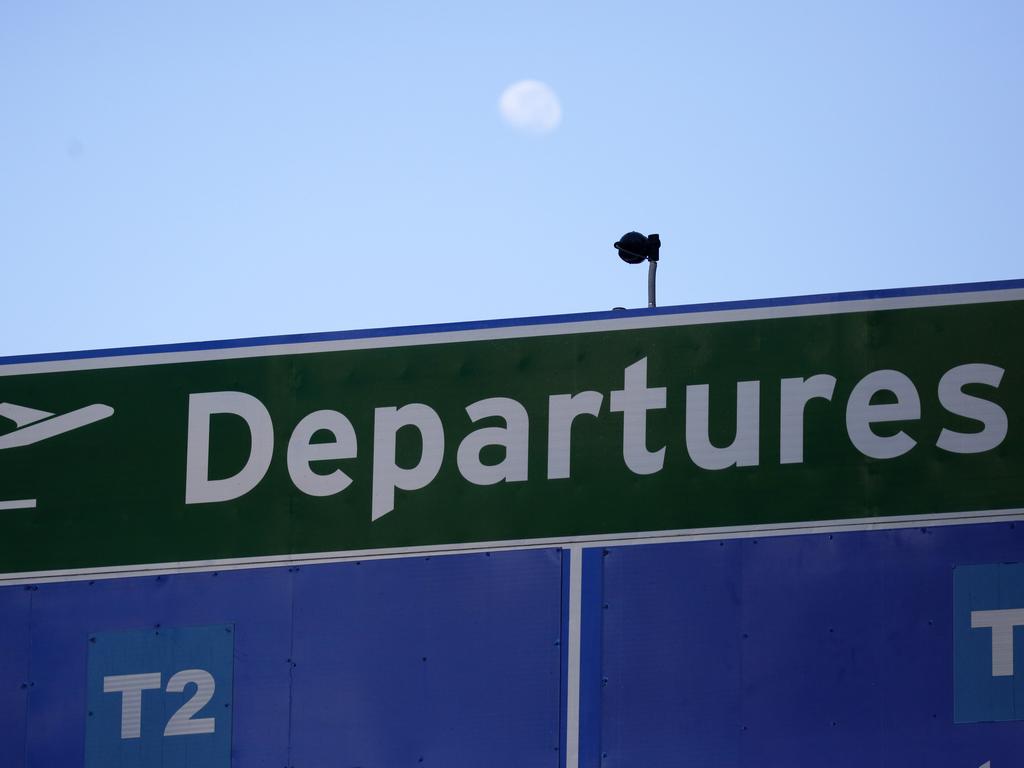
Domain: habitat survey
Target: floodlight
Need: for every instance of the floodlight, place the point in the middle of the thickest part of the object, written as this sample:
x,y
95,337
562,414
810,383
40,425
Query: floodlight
x,y
635,248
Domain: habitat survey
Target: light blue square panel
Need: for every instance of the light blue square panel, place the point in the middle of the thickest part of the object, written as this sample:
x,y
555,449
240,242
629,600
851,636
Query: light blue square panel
x,y
989,642
160,698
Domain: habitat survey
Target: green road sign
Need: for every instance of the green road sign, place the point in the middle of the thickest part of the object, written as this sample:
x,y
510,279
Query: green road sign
x,y
849,407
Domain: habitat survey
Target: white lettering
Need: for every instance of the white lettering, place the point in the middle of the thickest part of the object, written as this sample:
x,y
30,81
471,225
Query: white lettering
x,y
131,687
182,722
513,437
861,414
387,475
1001,623
199,488
562,411
302,452
744,449
956,401
633,401
796,393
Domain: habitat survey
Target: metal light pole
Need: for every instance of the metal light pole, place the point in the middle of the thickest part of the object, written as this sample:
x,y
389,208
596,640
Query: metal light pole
x,y
652,274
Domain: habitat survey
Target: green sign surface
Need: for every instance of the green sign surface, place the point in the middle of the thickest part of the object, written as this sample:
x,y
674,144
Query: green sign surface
x,y
678,419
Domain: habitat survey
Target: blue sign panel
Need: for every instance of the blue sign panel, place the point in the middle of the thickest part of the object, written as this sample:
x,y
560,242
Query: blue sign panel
x,y
989,640
882,647
160,698
64,615
443,661
803,651
452,660
15,680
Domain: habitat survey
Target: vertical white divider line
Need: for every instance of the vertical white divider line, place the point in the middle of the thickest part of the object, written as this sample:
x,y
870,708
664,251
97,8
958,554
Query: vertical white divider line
x,y
572,715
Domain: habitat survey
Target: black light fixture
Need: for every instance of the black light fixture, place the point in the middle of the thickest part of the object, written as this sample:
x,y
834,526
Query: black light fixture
x,y
635,248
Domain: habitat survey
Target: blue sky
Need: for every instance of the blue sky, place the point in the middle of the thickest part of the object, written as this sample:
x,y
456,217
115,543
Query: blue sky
x,y
193,170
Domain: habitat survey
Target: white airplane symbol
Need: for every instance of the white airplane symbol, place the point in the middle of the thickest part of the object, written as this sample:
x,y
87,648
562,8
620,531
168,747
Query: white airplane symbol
x,y
33,425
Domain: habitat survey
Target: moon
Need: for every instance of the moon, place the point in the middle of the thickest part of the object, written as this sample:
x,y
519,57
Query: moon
x,y
530,106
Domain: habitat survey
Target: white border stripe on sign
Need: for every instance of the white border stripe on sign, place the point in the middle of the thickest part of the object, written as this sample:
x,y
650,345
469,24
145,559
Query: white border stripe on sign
x,y
682,317
617,540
